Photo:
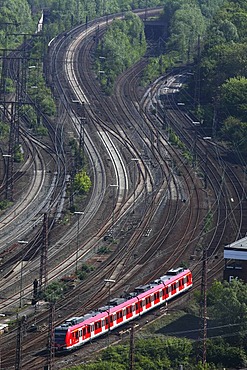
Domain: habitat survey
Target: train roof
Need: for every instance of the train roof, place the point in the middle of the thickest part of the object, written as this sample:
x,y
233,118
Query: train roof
x,y
117,304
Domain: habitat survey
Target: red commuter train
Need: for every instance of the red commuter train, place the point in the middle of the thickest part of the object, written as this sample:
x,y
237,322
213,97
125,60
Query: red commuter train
x,y
76,331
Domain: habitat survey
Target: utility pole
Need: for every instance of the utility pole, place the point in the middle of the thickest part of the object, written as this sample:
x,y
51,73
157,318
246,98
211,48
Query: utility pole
x,y
206,170
194,148
50,342
78,213
9,171
82,136
43,278
197,97
109,281
6,25
12,115
202,342
21,82
18,353
132,348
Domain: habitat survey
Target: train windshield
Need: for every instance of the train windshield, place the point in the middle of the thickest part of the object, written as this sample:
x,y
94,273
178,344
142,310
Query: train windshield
x,y
60,335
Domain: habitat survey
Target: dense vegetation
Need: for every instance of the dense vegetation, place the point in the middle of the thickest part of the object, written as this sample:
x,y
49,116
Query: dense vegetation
x,y
14,21
122,45
212,36
186,24
223,73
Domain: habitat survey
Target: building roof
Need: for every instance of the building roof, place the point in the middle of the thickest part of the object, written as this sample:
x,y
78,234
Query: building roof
x,y
236,250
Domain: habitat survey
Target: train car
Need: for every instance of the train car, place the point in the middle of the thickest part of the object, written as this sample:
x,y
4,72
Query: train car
x,y
76,331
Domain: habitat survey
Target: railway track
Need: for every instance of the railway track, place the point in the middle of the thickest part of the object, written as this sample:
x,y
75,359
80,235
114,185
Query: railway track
x,y
158,197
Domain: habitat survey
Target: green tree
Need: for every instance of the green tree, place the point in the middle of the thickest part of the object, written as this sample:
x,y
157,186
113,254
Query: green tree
x,y
54,291
210,7
221,353
234,96
186,26
228,304
82,182
234,131
123,44
4,130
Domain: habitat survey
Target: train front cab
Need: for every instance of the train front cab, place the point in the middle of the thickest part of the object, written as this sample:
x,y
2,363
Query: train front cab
x,y
61,338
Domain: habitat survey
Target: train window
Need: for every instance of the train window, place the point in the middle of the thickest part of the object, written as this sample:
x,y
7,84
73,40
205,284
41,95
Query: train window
x,y
106,321
84,331
136,306
111,318
148,300
97,325
77,334
155,296
103,322
129,310
80,333
88,329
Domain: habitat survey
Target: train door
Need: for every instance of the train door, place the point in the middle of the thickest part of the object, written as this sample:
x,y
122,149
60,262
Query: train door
x,y
92,330
107,320
97,327
156,298
181,284
112,320
189,279
139,307
165,293
75,337
174,288
148,302
84,333
119,317
129,312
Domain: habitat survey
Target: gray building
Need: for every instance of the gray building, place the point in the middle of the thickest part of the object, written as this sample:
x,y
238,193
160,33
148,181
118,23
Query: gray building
x,y
235,255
